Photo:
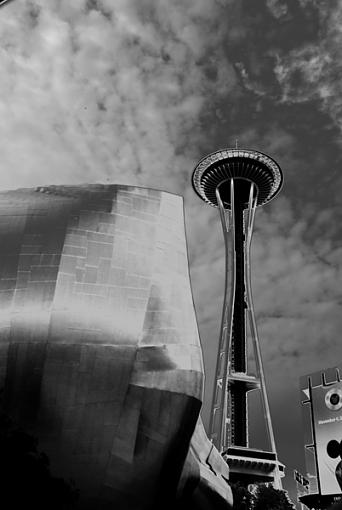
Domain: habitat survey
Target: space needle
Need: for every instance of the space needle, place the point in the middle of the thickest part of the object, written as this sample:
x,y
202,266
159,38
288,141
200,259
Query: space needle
x,y
236,182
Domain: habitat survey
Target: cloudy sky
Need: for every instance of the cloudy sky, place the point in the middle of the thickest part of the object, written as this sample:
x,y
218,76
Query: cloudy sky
x,y
137,91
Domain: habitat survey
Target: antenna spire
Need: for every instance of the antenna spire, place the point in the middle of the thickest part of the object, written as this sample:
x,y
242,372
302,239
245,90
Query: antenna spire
x,y
236,143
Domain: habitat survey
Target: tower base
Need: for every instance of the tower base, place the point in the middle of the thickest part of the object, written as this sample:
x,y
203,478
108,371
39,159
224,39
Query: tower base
x,y
250,466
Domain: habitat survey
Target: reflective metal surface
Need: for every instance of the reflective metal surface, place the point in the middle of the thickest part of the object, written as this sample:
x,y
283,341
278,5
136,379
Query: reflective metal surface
x,y
100,355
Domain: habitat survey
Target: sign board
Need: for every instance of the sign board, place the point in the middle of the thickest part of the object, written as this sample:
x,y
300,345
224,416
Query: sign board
x,y
327,420
301,479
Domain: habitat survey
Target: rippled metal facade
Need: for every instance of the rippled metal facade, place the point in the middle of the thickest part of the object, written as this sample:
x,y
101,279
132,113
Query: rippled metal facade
x,y
100,354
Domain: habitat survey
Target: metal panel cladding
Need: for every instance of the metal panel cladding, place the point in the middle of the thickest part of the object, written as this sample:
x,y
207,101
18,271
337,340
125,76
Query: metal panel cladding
x,y
99,350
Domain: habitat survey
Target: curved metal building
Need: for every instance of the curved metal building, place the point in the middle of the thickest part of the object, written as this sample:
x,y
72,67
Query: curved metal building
x,y
100,354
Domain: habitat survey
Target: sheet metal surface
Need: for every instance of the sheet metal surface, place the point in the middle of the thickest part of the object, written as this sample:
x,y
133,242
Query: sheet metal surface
x,y
99,349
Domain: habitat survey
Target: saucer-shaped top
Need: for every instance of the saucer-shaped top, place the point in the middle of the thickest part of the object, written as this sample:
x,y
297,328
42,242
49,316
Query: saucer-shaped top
x,y
244,166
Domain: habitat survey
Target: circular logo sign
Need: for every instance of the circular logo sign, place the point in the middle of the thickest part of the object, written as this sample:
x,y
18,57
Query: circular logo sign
x,y
333,399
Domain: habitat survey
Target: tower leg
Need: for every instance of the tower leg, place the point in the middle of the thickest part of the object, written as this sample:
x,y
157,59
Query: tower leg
x,y
220,419
253,328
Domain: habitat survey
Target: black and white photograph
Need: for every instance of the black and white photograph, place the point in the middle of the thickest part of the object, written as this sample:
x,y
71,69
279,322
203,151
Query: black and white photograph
x,y
171,254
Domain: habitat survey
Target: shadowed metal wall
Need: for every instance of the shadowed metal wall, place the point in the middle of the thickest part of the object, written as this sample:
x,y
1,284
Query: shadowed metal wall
x,y
100,355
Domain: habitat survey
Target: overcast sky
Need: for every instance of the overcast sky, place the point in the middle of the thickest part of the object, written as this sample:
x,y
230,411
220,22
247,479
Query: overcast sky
x,y
137,91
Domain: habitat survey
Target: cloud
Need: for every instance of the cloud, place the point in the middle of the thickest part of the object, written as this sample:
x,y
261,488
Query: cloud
x,y
299,295
254,86
311,72
277,8
95,90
